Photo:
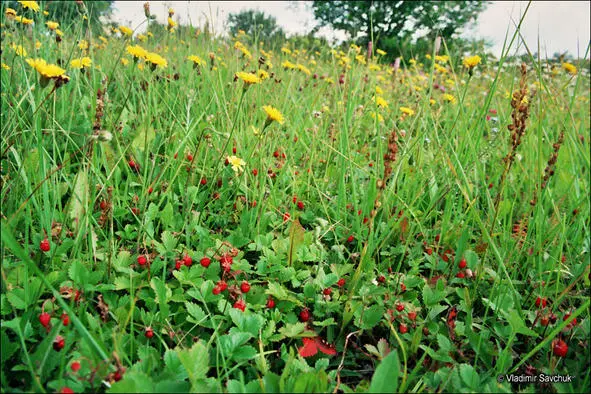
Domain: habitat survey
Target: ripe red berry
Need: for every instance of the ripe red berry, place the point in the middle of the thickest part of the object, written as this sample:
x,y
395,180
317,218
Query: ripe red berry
x,y
381,278
286,216
402,287
544,321
58,343
270,303
65,319
133,165
350,239
245,287
66,390
104,205
117,376
142,260
412,315
559,348
216,290
399,307
541,302
255,172
149,332
462,264
429,251
150,190
222,285
341,282
226,262
234,149
135,211
301,205
203,181
205,262
188,260
44,245
327,291
437,237
304,315
178,264
294,199
189,157
276,154
240,304
403,328
44,319
460,275
75,367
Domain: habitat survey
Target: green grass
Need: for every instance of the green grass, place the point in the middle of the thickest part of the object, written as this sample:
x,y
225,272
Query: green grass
x,y
398,248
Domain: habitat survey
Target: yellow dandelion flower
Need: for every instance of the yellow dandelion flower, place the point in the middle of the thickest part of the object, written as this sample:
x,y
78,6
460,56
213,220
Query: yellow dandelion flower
x,y
288,65
156,60
569,68
329,81
196,60
380,102
360,59
428,56
379,90
126,31
32,5
37,44
19,50
49,71
142,37
83,44
262,74
442,58
380,52
82,62
412,61
472,61
273,114
140,66
236,163
248,78
52,25
374,67
379,116
407,111
449,98
59,33
124,61
103,39
303,69
5,66
285,50
10,13
23,20
440,69
432,101
137,51
45,13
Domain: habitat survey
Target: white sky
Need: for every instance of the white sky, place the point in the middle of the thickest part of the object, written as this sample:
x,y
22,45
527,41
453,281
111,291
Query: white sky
x,y
560,25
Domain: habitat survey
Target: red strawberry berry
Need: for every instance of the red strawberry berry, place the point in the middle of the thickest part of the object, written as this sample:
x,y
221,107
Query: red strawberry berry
x,y
58,343
544,321
412,315
276,154
559,348
65,319
203,181
245,287
205,262
286,216
104,205
216,290
150,190
294,199
75,367
327,291
142,260
255,172
226,262
460,275
133,165
270,303
350,239
429,251
462,264
189,157
234,149
304,315
381,278
402,287
400,307
66,390
403,328
541,302
149,332
222,285
341,282
178,264
188,260
240,304
44,319
301,205
44,245
117,376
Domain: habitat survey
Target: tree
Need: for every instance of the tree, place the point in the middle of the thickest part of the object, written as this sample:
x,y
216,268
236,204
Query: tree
x,y
396,19
256,25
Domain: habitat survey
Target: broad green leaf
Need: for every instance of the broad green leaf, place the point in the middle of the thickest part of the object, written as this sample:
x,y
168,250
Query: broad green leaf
x,y
371,316
133,382
196,313
163,293
195,361
79,200
385,378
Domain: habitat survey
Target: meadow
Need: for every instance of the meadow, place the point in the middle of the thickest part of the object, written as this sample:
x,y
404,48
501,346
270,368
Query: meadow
x,y
183,212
